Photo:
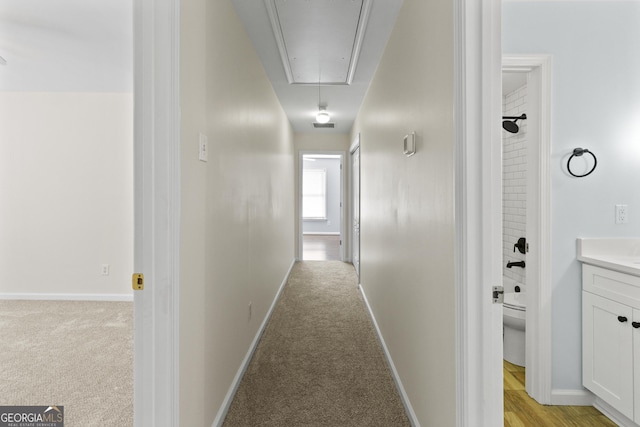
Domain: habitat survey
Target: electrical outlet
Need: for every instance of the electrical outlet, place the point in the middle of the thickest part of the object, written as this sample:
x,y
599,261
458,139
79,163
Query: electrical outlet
x,y
249,310
105,269
622,214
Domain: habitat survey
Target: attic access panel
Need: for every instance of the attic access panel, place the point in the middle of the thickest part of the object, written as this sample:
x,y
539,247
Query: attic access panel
x,y
319,40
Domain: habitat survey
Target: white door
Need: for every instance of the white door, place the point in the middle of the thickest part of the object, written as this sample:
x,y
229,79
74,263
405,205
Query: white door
x,y
355,191
538,220
636,363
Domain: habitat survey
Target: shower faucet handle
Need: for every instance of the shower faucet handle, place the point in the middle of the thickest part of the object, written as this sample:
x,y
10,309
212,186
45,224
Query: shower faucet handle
x,y
521,245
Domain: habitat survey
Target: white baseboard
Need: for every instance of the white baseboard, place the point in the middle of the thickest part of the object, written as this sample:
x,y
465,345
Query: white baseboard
x,y
226,403
403,394
321,233
67,297
581,397
613,414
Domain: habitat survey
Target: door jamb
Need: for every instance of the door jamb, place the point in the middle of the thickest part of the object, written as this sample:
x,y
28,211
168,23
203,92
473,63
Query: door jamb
x,y
478,241
354,146
156,27
538,320
343,235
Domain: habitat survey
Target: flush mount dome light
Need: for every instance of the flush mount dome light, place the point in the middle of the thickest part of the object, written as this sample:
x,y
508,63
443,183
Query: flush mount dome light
x,y
323,117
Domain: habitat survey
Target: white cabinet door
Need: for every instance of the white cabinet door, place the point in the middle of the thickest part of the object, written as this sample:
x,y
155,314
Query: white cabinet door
x,y
607,335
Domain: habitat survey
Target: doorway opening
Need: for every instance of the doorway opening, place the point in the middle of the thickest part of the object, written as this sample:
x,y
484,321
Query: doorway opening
x,y
321,206
527,213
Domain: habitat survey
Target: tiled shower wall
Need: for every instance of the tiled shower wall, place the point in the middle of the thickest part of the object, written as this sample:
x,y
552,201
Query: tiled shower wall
x,y
514,181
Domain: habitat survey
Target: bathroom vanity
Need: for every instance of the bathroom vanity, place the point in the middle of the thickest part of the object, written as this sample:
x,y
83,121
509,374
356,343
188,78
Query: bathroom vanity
x,y
611,325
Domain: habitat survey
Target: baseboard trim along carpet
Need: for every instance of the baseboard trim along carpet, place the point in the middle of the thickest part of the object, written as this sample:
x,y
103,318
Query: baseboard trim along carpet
x,y
68,297
226,403
403,394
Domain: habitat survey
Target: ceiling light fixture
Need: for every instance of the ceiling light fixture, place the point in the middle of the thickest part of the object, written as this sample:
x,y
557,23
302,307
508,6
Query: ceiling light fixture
x,y
323,115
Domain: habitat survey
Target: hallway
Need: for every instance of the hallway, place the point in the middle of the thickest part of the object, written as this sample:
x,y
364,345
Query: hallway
x,y
319,362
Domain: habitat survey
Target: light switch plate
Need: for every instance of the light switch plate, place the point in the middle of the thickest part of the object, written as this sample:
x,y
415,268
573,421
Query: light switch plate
x,y
203,150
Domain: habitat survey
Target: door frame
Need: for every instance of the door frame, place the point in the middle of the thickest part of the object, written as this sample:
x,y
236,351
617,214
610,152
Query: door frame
x,y
343,236
352,149
538,317
478,197
477,74
156,211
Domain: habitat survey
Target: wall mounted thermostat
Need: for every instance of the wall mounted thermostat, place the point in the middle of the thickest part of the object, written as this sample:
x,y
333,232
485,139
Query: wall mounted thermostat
x,y
410,144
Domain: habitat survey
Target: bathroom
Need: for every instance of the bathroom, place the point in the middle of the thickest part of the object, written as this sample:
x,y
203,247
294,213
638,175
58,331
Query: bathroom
x,y
594,104
514,205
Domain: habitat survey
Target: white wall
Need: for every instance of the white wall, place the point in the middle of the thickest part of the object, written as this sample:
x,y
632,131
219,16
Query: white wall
x,y
331,225
514,184
237,234
66,194
596,105
407,206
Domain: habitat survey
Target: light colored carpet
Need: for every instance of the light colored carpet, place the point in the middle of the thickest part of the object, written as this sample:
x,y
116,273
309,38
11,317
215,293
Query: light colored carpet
x,y
76,354
319,362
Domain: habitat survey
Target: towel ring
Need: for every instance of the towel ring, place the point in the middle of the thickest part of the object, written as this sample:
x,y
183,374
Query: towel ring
x,y
577,152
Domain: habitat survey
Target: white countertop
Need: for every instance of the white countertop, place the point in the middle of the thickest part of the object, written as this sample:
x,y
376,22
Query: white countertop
x,y
618,254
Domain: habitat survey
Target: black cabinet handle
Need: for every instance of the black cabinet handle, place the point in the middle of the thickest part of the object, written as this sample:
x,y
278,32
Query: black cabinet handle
x,y
622,319
635,324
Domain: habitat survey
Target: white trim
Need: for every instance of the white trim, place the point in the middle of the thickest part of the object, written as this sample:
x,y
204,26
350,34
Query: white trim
x,y
538,349
67,297
478,224
321,233
582,397
274,19
228,399
157,211
355,144
613,414
394,372
357,45
343,191
575,1
272,11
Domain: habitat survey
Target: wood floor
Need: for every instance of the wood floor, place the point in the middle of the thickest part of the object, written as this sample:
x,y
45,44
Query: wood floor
x,y
522,410
320,247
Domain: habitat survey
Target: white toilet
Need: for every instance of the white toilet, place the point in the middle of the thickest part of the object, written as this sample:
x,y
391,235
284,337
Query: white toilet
x,y
513,320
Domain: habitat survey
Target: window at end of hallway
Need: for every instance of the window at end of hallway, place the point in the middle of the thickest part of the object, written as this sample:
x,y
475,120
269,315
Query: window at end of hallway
x,y
314,194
